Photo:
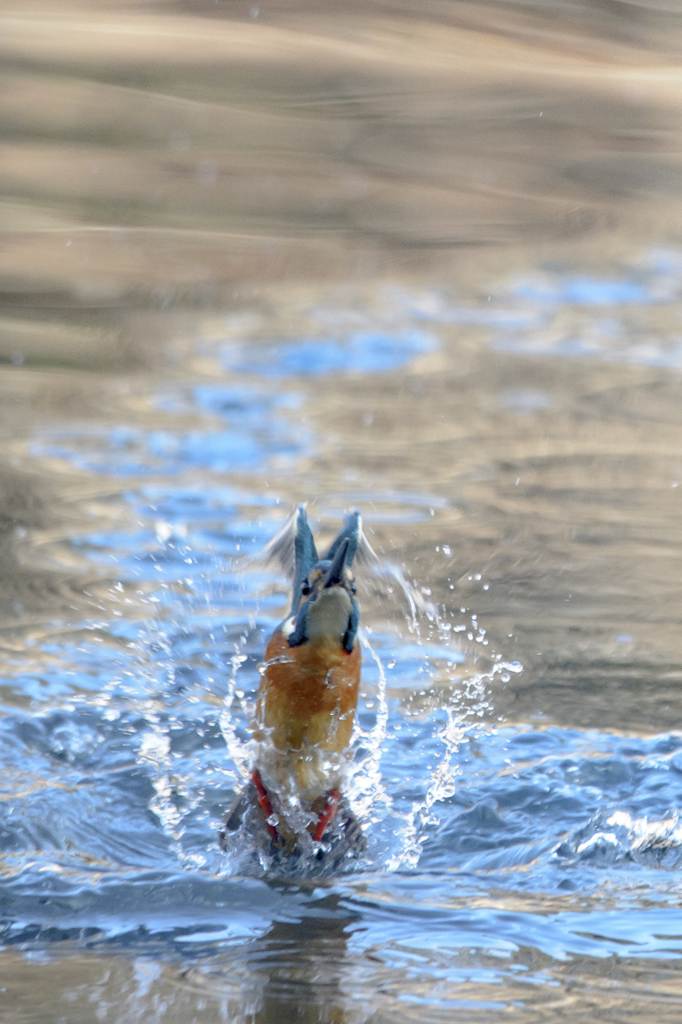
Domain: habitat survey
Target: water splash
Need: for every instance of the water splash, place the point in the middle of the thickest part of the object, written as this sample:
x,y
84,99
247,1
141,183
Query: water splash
x,y
395,834
616,837
369,796
184,700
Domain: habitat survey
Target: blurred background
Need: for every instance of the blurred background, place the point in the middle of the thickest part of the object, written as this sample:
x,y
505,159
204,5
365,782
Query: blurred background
x,y
424,259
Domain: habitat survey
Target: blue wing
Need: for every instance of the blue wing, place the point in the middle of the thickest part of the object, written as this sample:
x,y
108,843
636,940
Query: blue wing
x,y
358,545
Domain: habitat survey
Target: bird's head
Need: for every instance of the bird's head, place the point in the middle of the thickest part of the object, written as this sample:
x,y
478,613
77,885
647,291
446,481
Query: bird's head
x,y
323,603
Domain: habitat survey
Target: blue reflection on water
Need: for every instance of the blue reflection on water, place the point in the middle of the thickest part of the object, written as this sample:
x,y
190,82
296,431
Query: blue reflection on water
x,y
585,291
255,431
553,313
116,769
363,352
603,337
649,353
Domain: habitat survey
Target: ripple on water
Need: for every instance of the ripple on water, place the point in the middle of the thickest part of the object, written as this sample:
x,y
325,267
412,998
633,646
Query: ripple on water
x,y
494,851
254,432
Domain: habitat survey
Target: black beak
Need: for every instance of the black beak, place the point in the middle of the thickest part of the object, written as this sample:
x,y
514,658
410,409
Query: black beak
x,y
335,573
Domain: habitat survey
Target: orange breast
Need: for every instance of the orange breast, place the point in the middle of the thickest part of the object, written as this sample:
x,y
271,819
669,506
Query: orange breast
x,y
308,694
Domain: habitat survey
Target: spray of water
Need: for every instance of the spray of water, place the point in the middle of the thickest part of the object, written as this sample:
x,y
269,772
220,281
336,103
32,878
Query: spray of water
x,y
394,834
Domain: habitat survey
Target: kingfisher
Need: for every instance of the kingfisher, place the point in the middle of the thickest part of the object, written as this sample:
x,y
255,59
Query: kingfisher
x,y
307,698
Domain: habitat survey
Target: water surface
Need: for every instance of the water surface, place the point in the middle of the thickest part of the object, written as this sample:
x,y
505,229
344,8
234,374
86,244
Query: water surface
x,y
421,261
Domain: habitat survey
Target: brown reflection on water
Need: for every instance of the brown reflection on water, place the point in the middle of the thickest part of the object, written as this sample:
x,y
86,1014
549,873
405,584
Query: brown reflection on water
x,y
112,989
161,152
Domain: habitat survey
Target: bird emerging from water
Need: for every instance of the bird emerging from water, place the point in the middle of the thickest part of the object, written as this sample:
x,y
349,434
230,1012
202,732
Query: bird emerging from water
x,y
307,700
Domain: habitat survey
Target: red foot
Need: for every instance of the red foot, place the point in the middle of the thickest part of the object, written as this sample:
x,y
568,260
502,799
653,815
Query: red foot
x,y
326,815
264,803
